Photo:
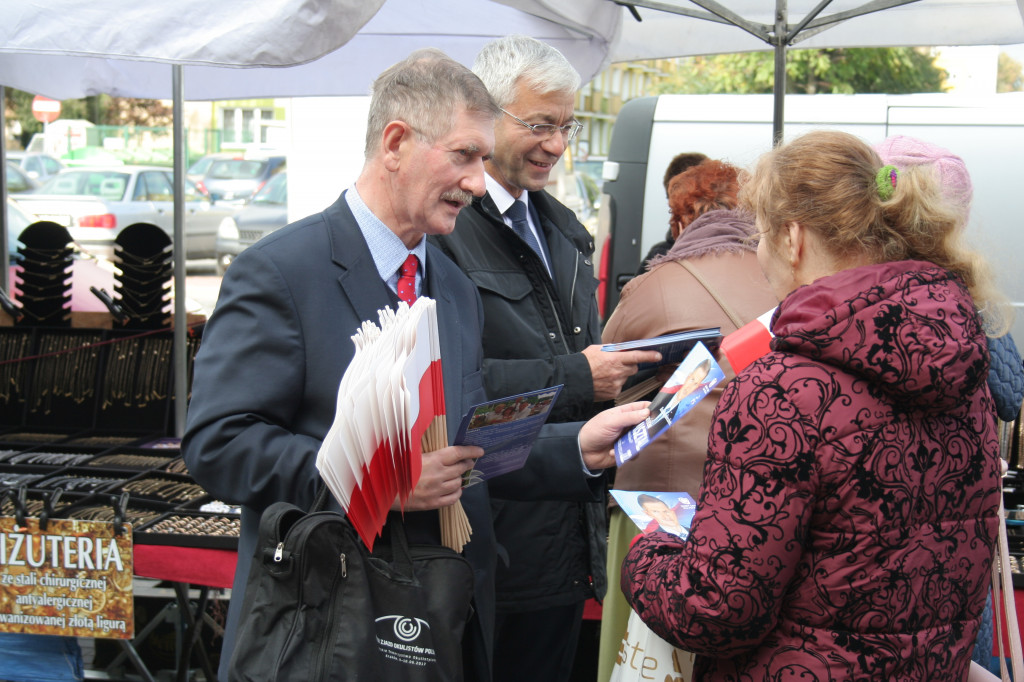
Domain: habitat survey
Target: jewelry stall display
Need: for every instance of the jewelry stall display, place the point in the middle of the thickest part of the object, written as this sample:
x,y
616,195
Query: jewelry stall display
x,y
102,441
14,479
134,515
43,275
85,413
80,483
47,458
63,380
35,503
15,344
168,490
192,529
144,261
136,382
31,438
176,466
124,460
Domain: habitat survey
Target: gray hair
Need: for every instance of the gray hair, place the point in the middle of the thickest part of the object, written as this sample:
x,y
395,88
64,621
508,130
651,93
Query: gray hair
x,y
502,62
425,91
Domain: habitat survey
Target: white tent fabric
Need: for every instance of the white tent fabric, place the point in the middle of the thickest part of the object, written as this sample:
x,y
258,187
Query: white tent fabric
x,y
272,59
661,33
285,48
73,48
265,33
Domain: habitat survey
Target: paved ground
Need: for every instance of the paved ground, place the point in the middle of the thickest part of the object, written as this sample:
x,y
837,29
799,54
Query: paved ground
x,y
202,284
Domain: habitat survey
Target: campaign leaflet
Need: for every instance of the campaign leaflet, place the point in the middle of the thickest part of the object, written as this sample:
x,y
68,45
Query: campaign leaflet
x,y
673,347
505,429
658,511
696,375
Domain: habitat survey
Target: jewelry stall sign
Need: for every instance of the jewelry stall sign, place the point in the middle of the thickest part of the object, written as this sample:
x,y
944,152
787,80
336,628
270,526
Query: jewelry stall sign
x,y
73,579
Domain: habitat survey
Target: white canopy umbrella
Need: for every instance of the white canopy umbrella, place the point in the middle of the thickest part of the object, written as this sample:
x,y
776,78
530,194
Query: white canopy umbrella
x,y
669,29
199,50
292,47
697,27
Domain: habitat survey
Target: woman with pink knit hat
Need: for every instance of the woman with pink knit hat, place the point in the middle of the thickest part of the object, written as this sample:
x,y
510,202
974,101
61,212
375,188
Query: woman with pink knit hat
x,y
1006,373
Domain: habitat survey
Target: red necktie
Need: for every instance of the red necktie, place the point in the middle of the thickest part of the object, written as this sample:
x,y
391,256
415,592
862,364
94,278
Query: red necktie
x,y
407,279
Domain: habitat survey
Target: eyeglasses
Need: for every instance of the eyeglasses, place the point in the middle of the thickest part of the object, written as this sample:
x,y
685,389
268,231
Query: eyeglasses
x,y
543,131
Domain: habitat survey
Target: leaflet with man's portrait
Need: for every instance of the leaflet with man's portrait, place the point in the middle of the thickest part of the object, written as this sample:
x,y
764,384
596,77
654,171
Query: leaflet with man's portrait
x,y
696,375
658,511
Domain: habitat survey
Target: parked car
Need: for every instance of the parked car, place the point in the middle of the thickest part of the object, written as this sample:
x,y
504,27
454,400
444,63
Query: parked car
x,y
95,204
18,181
17,220
234,177
568,186
266,211
36,165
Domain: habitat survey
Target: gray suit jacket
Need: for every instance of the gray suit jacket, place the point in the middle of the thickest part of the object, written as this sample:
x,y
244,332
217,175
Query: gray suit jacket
x,y
267,375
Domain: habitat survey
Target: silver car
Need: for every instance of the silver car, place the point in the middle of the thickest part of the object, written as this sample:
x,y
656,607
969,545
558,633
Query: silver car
x,y
234,178
95,204
18,181
36,165
17,221
266,211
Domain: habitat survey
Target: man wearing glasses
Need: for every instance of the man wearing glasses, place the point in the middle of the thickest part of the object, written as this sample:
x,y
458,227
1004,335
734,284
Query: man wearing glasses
x,y
531,260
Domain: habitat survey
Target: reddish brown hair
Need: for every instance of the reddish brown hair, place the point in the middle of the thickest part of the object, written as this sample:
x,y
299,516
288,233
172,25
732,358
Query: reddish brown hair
x,y
709,185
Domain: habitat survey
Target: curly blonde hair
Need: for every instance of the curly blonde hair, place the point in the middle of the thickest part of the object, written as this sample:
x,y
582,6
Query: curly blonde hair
x,y
825,181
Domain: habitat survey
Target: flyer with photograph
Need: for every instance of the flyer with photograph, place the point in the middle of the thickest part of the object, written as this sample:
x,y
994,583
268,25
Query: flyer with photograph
x,y
505,429
696,375
656,511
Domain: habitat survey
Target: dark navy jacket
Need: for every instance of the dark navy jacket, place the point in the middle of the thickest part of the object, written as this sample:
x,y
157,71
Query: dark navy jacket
x,y
266,382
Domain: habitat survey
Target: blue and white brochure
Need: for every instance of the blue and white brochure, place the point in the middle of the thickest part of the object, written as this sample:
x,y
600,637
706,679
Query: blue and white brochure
x,y
696,375
506,429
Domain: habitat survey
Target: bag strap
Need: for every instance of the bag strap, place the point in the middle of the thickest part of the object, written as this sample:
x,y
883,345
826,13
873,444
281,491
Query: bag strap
x,y
726,308
320,501
401,556
1002,583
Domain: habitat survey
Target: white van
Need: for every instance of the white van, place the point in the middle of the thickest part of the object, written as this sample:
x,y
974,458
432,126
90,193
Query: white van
x,y
988,132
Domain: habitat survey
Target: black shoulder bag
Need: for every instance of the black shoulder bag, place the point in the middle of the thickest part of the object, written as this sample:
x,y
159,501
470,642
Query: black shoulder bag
x,y
319,606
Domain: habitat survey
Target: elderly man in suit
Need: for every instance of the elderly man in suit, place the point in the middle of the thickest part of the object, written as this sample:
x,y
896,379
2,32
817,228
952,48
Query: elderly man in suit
x,y
532,262
275,348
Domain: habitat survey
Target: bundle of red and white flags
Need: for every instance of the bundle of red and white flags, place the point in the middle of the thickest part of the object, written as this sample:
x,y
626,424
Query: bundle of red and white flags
x,y
390,406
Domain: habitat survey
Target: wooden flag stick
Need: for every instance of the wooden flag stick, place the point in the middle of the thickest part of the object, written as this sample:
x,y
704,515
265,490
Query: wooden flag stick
x,y
455,527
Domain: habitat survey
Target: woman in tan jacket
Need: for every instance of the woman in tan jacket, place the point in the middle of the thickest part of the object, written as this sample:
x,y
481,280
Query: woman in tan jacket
x,y
710,278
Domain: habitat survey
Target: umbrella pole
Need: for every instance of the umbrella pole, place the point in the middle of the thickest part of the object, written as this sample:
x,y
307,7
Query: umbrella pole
x,y
4,227
180,312
779,83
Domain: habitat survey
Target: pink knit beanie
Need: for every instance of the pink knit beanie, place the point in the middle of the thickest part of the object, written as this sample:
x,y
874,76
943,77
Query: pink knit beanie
x,y
904,152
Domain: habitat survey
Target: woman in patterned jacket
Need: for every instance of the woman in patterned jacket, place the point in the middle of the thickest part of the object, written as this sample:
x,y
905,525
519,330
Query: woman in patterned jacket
x,y
847,516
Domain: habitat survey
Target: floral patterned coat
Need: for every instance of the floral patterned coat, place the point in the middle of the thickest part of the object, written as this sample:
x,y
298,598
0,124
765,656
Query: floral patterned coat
x,y
847,518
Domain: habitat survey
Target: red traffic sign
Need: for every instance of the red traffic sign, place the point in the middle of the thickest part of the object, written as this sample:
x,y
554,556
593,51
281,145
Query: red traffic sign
x,y
45,109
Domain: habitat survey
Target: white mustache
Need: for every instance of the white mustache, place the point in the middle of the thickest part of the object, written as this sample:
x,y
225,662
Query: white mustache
x,y
460,196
